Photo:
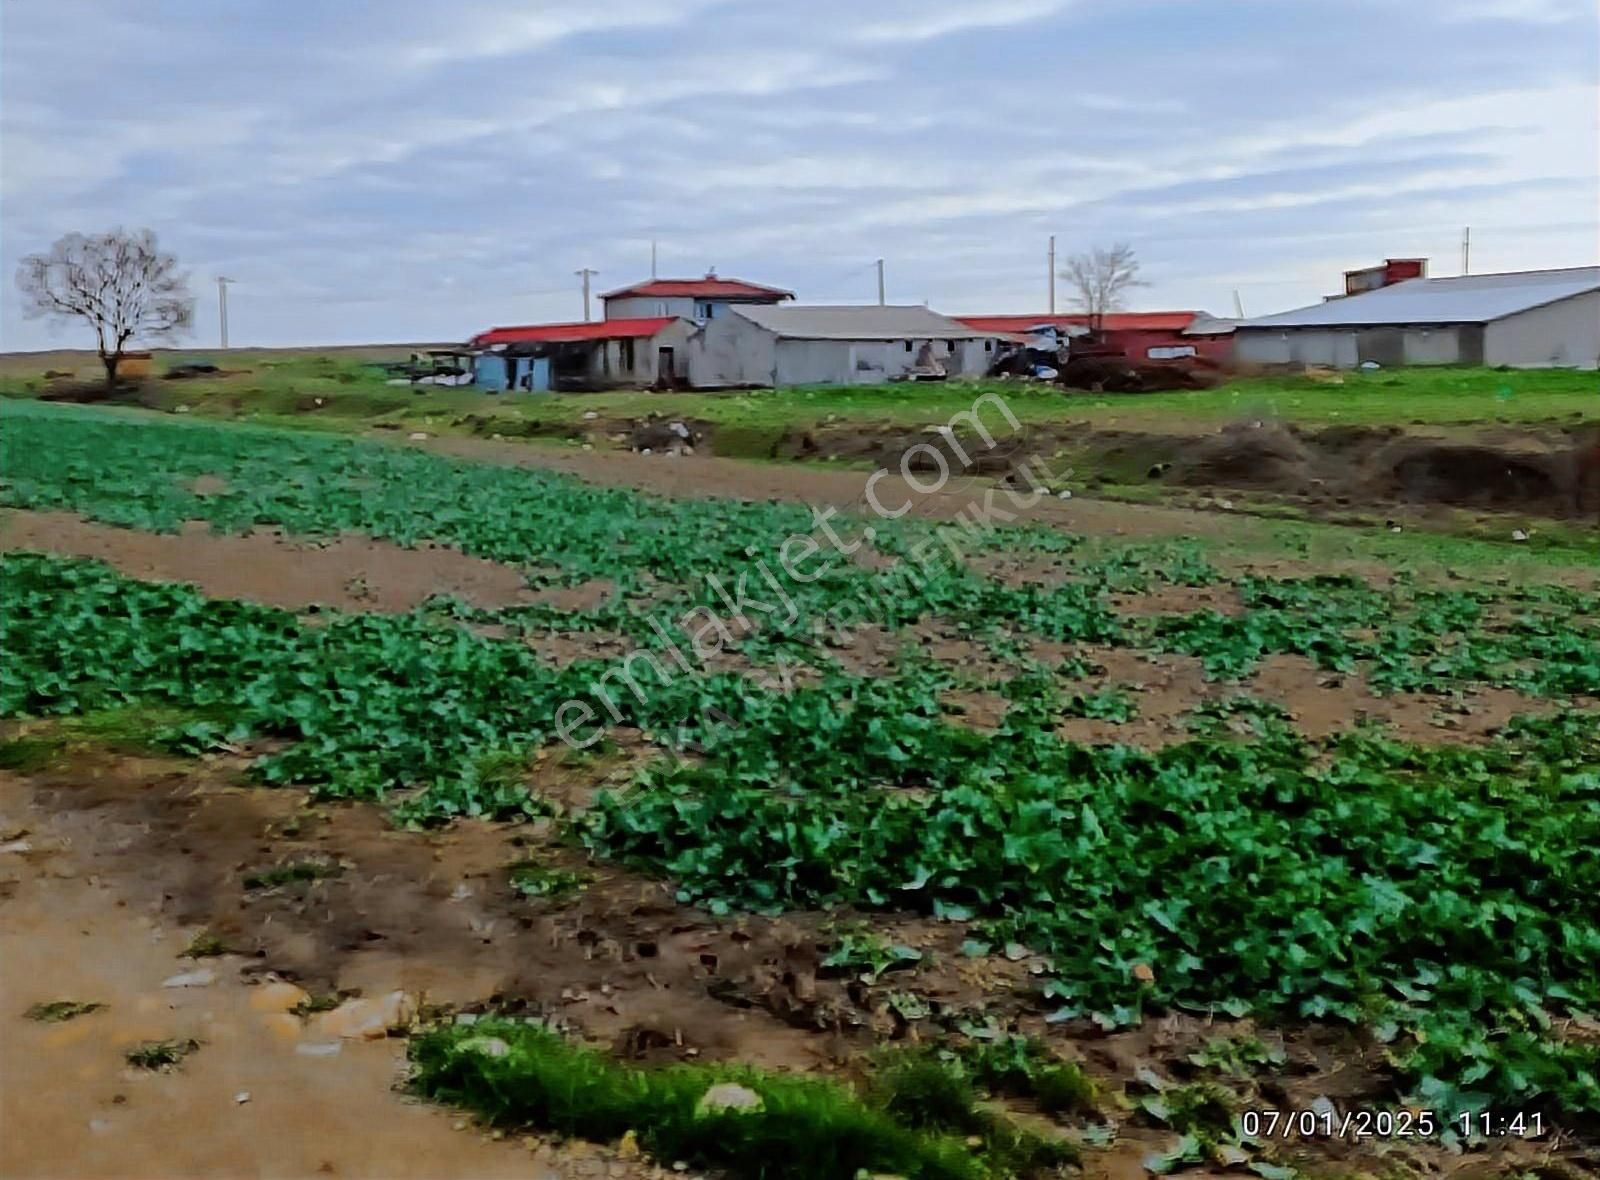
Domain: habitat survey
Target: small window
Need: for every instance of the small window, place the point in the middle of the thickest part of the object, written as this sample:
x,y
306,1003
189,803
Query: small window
x,y
627,354
1169,352
988,346
705,311
908,346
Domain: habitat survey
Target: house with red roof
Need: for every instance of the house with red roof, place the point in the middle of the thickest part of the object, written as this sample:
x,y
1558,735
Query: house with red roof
x,y
1141,337
693,299
597,354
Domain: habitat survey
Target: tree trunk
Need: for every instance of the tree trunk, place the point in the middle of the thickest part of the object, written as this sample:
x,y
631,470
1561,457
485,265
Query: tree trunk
x,y
110,360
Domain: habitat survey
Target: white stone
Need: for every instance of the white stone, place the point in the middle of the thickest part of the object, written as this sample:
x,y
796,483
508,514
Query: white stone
x,y
204,977
728,1096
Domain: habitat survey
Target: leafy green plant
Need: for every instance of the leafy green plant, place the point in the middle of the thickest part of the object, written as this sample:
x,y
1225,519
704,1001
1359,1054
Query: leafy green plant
x,y
1239,1056
858,951
160,1055
291,872
532,879
56,1011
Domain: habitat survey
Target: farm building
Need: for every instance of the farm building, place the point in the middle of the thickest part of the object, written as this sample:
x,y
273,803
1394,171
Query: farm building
x,y
1142,337
693,299
772,345
1524,319
599,354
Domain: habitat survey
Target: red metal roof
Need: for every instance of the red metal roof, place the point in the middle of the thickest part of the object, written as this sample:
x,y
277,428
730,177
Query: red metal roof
x,y
709,287
1116,321
555,333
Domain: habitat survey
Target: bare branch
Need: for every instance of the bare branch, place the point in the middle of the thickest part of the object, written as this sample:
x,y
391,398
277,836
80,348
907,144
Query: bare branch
x,y
119,283
1100,279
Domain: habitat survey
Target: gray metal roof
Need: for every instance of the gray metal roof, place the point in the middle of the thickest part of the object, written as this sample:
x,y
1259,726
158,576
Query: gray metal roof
x,y
1469,299
870,322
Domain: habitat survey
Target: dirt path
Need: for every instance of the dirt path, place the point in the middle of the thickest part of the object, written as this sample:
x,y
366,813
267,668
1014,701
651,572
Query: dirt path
x,y
350,572
71,1107
709,476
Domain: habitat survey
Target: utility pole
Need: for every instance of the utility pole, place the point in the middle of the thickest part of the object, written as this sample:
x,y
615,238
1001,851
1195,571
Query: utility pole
x,y
1238,305
652,258
1052,266
584,275
1466,250
880,282
222,309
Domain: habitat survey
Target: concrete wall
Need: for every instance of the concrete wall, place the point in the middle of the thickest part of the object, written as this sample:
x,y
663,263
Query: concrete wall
x,y
641,307
634,361
1565,334
1345,348
1428,346
732,351
1332,347
635,307
729,351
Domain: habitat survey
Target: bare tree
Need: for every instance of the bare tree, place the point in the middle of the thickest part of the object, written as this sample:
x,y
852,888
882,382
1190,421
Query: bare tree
x,y
1101,279
119,282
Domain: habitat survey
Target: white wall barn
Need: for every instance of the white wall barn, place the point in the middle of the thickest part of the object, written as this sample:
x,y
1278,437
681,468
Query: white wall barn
x,y
789,345
1525,319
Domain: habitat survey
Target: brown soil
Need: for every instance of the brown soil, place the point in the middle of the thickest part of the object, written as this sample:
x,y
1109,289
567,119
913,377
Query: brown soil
x,y
1167,687
350,572
86,918
706,476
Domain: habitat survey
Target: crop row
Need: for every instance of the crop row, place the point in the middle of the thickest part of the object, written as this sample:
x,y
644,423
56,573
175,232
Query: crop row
x,y
142,474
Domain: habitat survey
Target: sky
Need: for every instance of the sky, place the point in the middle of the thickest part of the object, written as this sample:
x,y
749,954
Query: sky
x,y
407,170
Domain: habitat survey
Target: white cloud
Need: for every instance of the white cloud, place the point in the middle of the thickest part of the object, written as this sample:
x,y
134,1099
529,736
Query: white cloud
x,y
924,21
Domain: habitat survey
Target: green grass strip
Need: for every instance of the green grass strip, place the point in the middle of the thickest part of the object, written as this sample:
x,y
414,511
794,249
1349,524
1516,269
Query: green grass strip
x,y
524,1075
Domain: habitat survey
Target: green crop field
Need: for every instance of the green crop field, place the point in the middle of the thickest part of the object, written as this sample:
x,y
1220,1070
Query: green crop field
x,y
1430,894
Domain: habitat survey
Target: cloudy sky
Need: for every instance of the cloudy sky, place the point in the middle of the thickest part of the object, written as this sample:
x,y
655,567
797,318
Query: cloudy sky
x,y
410,170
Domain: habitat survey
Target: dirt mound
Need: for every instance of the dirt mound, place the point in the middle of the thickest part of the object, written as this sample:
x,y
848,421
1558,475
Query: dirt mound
x,y
126,392
1114,375
913,450
1468,476
1263,455
1365,464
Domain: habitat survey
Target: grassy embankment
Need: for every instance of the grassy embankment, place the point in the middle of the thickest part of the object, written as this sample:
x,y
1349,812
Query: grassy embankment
x,y
346,393
354,393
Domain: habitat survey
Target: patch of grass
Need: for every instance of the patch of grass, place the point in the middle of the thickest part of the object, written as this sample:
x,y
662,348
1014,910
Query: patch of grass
x,y
134,729
206,945
158,1055
318,1002
1025,1067
57,1011
523,1075
31,754
933,1090
291,872
921,1089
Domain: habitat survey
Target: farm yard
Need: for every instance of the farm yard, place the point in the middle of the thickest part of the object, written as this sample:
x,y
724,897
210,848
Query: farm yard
x,y
658,809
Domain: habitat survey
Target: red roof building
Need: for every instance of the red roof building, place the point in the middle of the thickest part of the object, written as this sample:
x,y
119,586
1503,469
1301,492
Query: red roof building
x,y
693,299
568,333
1142,337
600,354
